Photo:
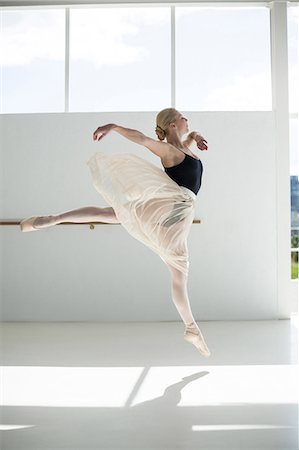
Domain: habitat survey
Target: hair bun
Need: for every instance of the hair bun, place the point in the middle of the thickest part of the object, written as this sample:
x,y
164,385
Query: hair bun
x,y
160,133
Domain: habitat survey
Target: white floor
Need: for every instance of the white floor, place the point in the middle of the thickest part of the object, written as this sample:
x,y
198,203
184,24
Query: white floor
x,y
141,386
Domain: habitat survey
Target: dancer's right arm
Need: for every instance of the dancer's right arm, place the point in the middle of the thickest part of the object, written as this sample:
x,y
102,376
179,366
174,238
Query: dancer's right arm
x,y
158,148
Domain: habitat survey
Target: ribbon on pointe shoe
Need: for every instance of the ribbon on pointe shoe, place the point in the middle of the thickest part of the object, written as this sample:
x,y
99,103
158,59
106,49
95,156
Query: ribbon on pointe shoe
x,y
193,334
32,224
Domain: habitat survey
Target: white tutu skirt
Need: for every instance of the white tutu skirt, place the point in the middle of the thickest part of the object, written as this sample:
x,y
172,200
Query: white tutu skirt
x,y
147,202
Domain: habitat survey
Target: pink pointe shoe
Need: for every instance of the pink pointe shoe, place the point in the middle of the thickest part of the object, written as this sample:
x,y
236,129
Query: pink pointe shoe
x,y
192,334
28,224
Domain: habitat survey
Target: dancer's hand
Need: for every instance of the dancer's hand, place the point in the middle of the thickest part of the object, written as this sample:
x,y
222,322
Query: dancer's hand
x,y
201,142
102,131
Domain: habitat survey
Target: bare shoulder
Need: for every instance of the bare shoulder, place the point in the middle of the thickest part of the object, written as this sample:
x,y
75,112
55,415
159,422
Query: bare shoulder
x,y
159,148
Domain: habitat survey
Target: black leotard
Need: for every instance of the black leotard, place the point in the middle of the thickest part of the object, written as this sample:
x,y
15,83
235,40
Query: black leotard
x,y
188,173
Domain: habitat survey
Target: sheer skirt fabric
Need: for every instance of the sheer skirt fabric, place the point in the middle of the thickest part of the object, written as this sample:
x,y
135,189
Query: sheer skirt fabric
x,y
147,202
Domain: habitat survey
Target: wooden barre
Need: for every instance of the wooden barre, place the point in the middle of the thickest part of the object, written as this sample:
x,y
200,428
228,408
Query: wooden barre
x,y
91,224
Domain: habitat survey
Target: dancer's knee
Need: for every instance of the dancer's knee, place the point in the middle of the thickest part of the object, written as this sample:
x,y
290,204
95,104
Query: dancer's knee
x,y
110,215
176,273
178,277
106,213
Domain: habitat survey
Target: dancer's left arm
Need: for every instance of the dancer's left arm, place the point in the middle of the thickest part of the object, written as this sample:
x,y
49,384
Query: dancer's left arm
x,y
158,148
133,135
200,141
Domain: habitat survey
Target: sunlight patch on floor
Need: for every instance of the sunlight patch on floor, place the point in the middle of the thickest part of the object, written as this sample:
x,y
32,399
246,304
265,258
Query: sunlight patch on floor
x,y
14,427
240,427
128,386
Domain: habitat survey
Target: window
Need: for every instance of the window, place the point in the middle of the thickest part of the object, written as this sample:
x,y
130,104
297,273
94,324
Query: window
x,y
293,48
120,59
294,153
32,60
293,26
223,59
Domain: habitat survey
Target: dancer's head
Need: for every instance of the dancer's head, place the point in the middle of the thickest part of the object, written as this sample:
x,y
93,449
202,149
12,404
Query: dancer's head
x,y
169,120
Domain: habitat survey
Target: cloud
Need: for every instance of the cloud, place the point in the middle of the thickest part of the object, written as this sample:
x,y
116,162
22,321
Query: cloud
x,y
99,38
251,93
27,36
97,35
293,89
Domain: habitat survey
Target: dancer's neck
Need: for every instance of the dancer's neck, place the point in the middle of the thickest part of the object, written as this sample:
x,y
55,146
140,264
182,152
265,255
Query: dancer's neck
x,y
176,142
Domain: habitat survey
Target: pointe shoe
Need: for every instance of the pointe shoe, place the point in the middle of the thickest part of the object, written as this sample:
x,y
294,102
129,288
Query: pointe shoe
x,y
28,224
193,335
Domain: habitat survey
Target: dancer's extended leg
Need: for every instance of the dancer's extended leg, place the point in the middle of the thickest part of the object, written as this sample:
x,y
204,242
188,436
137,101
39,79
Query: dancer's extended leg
x,y
81,215
89,214
181,301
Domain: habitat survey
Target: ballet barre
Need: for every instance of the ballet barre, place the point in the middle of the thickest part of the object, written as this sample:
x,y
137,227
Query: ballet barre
x,y
90,224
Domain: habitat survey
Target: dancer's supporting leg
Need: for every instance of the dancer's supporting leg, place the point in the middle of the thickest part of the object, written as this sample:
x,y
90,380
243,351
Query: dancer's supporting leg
x,y
81,215
181,301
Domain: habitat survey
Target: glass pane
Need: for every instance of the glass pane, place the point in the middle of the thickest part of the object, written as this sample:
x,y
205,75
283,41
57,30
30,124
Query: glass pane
x,y
32,60
223,59
293,51
120,59
294,146
294,201
294,170
295,238
294,262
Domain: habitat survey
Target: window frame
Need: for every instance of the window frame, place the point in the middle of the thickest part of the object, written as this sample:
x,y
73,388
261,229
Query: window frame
x,y
68,5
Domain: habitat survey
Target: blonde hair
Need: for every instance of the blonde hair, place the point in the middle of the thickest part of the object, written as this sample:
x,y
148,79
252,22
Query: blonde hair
x,y
163,119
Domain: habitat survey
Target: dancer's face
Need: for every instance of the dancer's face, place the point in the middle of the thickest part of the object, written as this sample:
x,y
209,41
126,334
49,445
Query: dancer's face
x,y
181,123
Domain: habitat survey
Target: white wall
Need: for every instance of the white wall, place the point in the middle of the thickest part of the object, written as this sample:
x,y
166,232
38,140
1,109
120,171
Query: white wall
x,y
71,273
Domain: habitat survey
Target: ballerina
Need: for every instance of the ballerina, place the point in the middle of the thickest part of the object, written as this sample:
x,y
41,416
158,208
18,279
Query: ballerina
x,y
155,206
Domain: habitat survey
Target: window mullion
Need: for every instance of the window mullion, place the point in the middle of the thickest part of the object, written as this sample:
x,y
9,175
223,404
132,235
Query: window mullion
x,y
67,60
173,51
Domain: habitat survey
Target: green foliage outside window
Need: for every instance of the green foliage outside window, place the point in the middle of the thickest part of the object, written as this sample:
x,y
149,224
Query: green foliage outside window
x,y
294,259
295,241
